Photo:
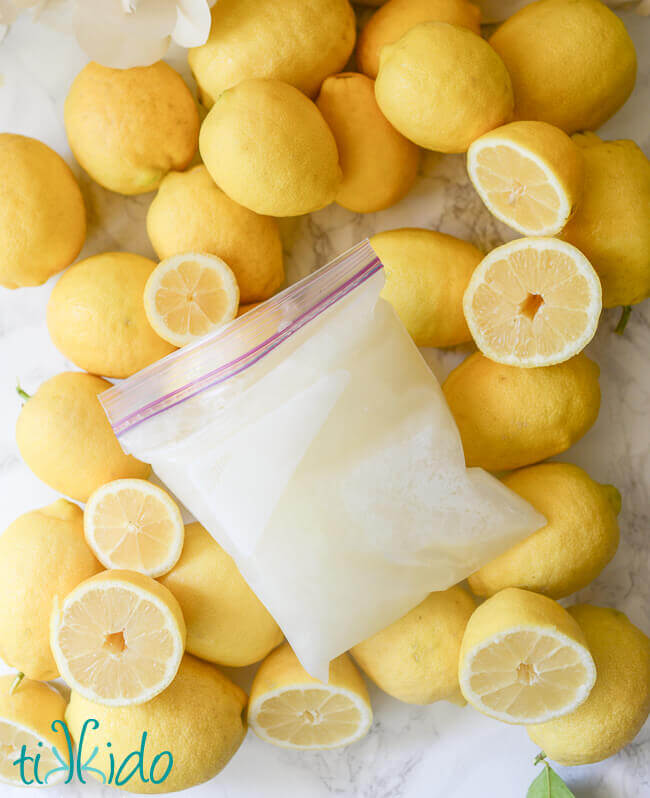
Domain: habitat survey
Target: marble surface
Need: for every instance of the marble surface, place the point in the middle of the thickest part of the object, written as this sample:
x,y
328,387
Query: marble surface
x,y
438,751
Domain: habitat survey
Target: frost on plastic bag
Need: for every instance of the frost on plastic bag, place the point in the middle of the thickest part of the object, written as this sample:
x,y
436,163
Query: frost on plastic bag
x,y
328,465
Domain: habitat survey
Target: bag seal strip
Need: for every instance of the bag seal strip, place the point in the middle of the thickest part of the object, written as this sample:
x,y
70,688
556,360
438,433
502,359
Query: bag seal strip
x,y
246,341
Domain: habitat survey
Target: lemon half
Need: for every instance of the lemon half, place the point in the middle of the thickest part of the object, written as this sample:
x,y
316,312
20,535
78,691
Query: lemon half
x,y
27,712
118,638
190,295
533,302
524,659
133,524
290,708
530,175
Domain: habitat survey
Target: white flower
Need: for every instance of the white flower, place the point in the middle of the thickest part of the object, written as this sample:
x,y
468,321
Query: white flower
x,y
121,33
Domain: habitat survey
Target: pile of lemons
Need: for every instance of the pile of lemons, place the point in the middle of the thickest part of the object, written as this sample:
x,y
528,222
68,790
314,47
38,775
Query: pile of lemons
x,y
134,609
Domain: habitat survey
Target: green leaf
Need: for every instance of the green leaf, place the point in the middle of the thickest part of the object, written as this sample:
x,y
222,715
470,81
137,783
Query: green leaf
x,y
548,785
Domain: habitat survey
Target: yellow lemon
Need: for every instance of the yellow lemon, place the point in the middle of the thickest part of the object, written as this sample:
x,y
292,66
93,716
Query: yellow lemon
x,y
510,417
619,704
226,622
426,275
118,637
129,127
442,86
579,539
197,719
27,712
300,42
365,138
42,554
42,212
396,17
289,708
190,295
96,315
269,148
415,659
572,64
612,223
530,175
533,302
65,438
245,308
524,659
190,213
133,524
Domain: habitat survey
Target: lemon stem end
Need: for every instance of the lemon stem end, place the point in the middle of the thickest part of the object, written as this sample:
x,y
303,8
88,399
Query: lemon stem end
x,y
22,393
16,682
622,322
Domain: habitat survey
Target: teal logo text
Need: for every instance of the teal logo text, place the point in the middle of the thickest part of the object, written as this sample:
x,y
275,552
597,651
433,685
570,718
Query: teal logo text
x,y
79,762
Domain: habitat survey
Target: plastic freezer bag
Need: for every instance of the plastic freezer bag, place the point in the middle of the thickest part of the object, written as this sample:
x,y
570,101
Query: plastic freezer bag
x,y
313,442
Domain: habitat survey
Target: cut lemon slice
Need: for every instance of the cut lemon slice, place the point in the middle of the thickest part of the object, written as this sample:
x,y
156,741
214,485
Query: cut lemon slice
x,y
133,524
289,708
118,638
530,175
533,302
27,712
190,295
524,659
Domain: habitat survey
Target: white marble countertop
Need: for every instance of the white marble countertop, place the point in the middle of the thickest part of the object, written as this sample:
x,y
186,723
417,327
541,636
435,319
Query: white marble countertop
x,y
438,751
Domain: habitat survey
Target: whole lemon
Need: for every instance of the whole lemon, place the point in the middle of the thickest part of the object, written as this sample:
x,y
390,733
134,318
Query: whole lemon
x,y
572,63
245,308
510,417
619,702
197,720
300,42
269,148
65,438
192,214
42,212
415,659
43,554
426,276
96,316
442,86
579,539
365,138
27,712
226,622
129,127
612,223
396,17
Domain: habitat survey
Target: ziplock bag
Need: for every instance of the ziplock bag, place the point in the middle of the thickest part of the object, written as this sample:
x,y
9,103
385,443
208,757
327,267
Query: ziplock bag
x,y
313,442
